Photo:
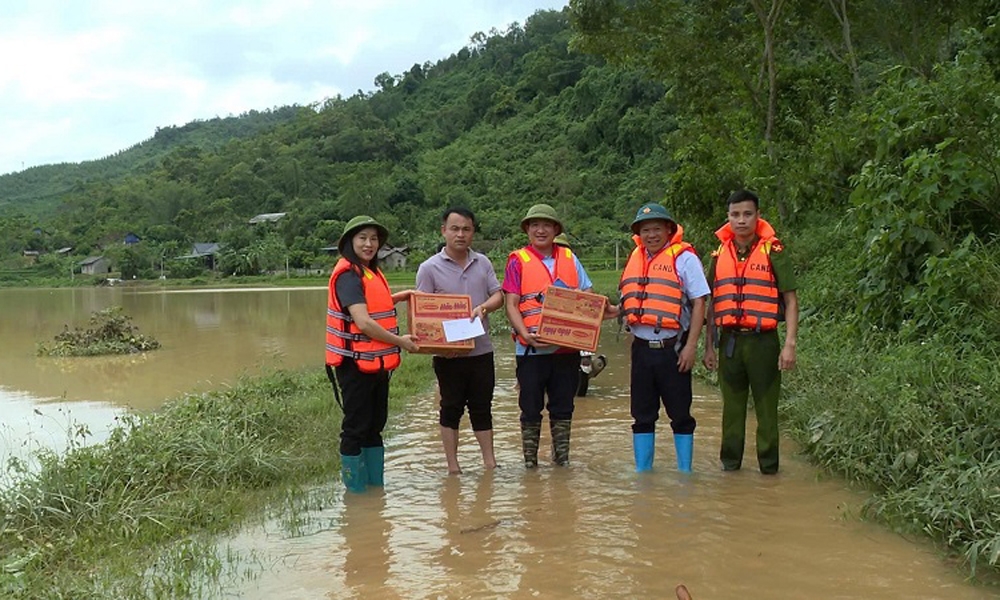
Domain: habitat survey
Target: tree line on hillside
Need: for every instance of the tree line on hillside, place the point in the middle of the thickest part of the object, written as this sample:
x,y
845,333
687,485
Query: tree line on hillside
x,y
38,191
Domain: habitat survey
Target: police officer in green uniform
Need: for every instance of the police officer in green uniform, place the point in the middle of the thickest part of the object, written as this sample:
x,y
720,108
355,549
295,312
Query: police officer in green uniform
x,y
753,288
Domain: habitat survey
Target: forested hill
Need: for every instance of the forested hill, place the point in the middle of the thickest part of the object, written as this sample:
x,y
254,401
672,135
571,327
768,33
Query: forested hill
x,y
514,118
38,190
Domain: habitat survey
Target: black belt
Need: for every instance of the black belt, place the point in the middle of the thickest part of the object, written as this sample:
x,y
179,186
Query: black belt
x,y
656,344
741,330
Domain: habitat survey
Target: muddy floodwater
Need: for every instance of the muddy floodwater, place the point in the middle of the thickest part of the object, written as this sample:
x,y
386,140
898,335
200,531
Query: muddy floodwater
x,y
593,530
209,339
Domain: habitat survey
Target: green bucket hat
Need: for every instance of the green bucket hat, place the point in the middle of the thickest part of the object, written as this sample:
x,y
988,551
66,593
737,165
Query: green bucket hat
x,y
541,211
360,222
648,212
562,240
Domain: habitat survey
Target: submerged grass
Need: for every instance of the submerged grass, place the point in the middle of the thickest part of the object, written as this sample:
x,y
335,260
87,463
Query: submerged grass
x,y
132,517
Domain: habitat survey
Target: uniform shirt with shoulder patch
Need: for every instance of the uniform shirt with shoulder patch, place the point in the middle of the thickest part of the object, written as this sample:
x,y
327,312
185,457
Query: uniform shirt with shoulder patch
x,y
781,264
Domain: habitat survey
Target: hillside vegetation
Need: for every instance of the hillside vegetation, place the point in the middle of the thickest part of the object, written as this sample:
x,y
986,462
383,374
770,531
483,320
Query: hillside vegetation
x,y
38,191
875,149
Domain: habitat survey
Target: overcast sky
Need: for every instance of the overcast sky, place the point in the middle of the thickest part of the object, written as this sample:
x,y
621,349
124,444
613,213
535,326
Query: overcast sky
x,y
82,79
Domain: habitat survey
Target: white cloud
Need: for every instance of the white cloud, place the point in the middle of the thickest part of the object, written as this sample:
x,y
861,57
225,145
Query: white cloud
x,y
82,80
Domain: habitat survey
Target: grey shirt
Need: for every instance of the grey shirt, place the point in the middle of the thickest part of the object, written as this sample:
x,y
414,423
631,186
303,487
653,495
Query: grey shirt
x,y
439,274
349,290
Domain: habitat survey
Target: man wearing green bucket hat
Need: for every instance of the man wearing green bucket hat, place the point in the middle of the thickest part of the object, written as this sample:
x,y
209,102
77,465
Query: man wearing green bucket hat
x,y
663,291
362,349
543,369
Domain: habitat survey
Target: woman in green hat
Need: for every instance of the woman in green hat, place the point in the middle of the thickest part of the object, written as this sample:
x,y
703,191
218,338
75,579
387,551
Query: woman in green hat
x,y
362,348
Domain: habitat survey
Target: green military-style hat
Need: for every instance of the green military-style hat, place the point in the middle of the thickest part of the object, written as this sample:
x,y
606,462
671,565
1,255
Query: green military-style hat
x,y
541,211
648,212
360,222
562,240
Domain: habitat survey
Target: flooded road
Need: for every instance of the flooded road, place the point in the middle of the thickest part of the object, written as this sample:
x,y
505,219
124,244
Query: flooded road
x,y
593,530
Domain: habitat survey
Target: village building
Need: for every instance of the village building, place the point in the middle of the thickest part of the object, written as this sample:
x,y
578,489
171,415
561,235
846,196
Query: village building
x,y
95,265
206,252
393,258
267,218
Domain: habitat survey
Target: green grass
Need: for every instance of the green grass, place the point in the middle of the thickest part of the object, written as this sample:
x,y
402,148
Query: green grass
x,y
920,431
912,416
134,517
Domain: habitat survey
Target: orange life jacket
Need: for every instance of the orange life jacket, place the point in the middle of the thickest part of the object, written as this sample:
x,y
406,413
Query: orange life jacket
x,y
745,294
536,278
651,291
344,339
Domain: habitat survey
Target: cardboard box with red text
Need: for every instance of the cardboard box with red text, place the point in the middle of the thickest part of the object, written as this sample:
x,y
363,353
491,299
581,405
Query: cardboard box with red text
x,y
571,319
426,314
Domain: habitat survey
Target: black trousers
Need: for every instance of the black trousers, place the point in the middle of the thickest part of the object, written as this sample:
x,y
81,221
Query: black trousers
x,y
366,407
466,381
557,375
655,379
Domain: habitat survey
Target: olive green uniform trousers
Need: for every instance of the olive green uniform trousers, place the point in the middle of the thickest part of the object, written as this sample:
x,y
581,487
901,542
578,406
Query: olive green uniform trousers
x,y
749,362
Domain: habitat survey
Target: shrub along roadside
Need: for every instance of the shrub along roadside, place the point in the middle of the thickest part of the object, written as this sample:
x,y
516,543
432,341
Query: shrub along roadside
x,y
109,520
910,413
918,423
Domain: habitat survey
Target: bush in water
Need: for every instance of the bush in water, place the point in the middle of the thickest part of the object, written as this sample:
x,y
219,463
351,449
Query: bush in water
x,y
111,332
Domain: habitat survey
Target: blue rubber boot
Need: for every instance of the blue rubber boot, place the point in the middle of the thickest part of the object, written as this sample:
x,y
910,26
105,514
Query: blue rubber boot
x,y
352,471
375,464
684,444
644,446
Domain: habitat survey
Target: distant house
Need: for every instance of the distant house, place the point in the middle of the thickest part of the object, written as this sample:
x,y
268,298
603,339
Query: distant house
x,y
64,251
331,250
392,258
31,256
204,251
131,238
267,218
95,265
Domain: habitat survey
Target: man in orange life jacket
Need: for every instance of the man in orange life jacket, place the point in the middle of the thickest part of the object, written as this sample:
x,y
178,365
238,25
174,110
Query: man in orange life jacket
x,y
663,292
753,288
363,348
543,368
